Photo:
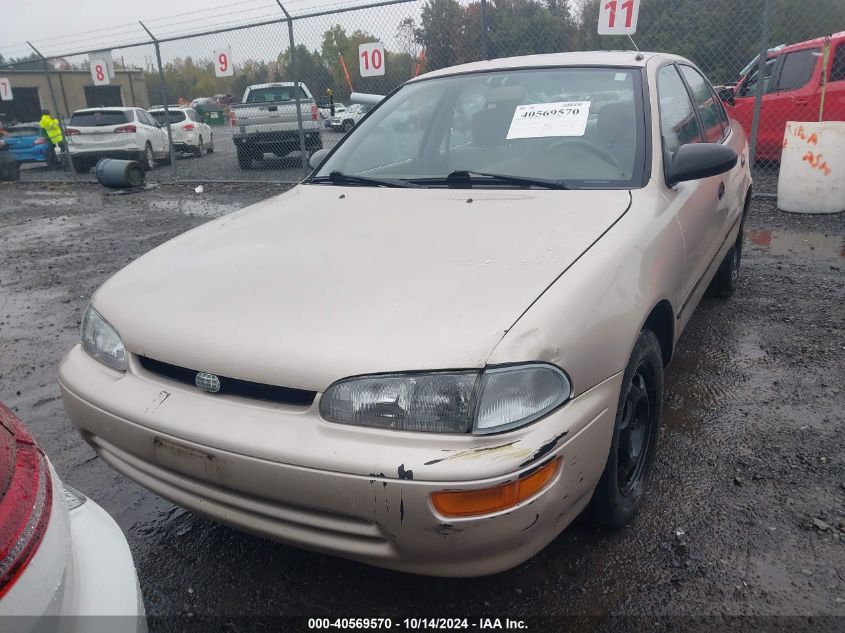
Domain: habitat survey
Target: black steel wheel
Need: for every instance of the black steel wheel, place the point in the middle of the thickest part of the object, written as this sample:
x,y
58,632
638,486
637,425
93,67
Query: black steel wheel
x,y
620,491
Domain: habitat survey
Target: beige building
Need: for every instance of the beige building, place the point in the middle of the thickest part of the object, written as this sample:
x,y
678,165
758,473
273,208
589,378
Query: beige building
x,y
71,90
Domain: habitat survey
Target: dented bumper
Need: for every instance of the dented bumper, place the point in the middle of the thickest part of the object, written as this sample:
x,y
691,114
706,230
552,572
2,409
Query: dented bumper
x,y
284,473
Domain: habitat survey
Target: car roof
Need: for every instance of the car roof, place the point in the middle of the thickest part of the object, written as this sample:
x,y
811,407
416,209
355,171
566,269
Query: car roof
x,y
272,84
819,41
585,58
170,107
107,108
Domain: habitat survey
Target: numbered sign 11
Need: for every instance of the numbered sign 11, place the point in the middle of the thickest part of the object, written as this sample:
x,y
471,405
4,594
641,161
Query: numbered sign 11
x,y
5,89
618,17
99,71
223,62
371,59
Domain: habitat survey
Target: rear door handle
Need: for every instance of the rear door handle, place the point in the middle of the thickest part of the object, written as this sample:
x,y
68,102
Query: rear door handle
x,y
800,102
721,190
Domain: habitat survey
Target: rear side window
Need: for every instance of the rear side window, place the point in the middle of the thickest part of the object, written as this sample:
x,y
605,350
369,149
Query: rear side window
x,y
797,69
24,131
678,122
161,116
837,67
706,103
274,93
98,118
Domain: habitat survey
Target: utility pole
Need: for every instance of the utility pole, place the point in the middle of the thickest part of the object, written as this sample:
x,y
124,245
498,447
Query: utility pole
x,y
297,89
163,97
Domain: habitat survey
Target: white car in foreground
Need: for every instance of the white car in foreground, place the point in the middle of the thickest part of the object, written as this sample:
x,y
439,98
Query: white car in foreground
x,y
131,133
349,118
60,553
190,133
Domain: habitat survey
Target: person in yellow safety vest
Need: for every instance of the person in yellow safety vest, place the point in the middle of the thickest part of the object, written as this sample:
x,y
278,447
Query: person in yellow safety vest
x,y
51,129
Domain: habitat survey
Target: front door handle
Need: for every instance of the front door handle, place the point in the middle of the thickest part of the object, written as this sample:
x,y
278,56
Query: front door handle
x,y
721,190
800,102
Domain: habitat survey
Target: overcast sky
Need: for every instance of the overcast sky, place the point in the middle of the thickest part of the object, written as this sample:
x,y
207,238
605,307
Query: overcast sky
x,y
59,26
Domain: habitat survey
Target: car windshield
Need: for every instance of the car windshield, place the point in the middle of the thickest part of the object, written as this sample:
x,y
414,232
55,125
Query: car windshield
x,y
273,93
581,126
98,118
176,116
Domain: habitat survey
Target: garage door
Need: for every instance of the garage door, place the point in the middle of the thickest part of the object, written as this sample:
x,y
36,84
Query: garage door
x,y
102,96
24,108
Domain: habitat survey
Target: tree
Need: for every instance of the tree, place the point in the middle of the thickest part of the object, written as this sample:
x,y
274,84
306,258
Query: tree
x,y
440,32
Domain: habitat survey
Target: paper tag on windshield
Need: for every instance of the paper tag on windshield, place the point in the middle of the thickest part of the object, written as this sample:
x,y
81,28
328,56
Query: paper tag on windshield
x,y
535,120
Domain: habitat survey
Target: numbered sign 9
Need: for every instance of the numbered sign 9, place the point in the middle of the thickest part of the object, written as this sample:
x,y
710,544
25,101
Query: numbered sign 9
x,y
618,17
223,62
5,89
371,59
99,71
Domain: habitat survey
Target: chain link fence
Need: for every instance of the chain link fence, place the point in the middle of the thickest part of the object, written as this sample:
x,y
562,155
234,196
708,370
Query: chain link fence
x,y
194,73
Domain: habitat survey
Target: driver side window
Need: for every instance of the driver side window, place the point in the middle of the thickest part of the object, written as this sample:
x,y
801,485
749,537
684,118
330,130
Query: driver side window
x,y
749,88
678,120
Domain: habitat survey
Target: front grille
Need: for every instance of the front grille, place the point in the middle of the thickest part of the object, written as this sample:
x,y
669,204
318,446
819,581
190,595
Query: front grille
x,y
232,386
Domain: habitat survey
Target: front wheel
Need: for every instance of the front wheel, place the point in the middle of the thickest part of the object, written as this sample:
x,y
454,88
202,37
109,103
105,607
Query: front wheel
x,y
620,491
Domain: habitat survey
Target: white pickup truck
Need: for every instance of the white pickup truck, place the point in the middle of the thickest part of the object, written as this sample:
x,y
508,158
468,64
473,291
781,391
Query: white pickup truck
x,y
266,121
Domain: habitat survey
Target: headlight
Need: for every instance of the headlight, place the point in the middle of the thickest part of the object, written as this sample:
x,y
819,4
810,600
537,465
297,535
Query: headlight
x,y
102,341
495,400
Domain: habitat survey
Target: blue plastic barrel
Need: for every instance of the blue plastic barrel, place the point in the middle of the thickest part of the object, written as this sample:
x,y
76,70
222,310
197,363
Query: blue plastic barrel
x,y
119,174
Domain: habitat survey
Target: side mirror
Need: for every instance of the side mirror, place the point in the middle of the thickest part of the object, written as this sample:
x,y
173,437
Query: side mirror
x,y
317,158
727,95
699,160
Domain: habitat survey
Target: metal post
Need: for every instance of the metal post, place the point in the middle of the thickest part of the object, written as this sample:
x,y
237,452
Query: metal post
x,y
296,87
761,73
483,29
163,97
65,156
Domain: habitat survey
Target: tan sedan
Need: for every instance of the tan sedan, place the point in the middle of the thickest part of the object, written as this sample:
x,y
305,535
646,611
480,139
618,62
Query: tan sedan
x,y
449,340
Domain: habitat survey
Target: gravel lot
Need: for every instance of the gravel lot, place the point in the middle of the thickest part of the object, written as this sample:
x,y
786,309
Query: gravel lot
x,y
746,511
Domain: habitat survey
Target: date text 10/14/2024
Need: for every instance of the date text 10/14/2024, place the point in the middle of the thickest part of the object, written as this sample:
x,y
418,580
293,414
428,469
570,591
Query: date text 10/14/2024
x,y
415,624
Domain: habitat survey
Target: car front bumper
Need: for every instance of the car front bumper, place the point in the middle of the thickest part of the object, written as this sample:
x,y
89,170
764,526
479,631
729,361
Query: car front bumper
x,y
292,477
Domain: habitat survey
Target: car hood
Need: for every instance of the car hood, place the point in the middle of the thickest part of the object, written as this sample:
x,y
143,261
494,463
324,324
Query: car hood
x,y
324,282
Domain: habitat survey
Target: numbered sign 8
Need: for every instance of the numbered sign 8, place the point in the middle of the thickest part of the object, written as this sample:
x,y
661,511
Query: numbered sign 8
x,y
99,71
5,89
618,17
371,59
223,62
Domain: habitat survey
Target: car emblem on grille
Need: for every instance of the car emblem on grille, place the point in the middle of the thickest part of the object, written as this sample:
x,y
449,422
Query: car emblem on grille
x,y
207,382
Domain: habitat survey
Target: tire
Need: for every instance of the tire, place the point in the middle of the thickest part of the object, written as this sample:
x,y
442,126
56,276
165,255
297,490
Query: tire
x,y
621,489
148,159
725,282
244,159
348,125
80,166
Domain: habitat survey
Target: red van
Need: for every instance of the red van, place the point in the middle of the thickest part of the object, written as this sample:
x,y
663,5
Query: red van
x,y
792,91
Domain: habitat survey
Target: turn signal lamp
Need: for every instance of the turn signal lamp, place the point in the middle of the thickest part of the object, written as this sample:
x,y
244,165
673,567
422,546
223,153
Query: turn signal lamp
x,y
467,503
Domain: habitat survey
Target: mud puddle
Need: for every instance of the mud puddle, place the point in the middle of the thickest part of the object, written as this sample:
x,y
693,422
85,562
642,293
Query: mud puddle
x,y
808,244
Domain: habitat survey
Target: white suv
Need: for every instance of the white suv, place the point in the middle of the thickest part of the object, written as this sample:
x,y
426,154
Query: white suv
x,y
96,133
190,133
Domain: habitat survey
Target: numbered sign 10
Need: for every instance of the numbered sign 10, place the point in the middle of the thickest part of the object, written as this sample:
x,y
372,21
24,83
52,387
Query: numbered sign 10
x,y
371,59
618,17
5,89
223,62
99,71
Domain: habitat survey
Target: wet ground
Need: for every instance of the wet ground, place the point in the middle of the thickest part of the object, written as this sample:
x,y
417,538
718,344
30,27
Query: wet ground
x,y
745,514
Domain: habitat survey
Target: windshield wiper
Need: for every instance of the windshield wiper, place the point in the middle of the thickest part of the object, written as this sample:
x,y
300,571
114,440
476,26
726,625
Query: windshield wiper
x,y
340,178
463,177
